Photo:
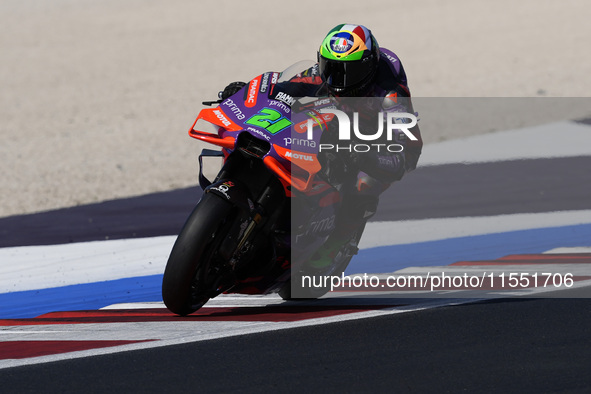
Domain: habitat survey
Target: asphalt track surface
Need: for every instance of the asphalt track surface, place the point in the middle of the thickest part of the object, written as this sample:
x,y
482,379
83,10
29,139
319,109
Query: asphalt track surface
x,y
452,190
498,346
510,345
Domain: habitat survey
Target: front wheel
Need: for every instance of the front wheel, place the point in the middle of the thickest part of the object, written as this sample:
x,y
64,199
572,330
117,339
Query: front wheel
x,y
191,275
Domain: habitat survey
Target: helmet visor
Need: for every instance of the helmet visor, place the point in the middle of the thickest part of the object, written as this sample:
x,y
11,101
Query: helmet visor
x,y
344,74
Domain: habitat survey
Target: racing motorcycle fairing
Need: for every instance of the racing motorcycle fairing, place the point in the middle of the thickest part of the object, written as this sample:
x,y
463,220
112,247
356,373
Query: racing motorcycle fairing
x,y
291,156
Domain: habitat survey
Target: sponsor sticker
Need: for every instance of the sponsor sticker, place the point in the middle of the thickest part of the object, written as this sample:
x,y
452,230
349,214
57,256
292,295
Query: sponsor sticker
x,y
252,92
224,188
341,42
225,121
265,83
298,156
286,98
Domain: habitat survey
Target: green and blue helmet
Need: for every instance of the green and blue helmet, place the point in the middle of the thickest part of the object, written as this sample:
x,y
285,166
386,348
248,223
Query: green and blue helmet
x,y
348,58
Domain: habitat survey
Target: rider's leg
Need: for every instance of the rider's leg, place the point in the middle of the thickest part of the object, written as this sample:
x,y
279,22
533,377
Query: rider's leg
x,y
358,205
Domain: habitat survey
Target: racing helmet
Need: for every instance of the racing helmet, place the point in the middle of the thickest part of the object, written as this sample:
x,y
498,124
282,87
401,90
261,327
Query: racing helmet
x,y
348,59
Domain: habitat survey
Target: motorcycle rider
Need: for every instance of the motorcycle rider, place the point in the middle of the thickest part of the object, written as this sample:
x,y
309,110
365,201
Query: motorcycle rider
x,y
352,64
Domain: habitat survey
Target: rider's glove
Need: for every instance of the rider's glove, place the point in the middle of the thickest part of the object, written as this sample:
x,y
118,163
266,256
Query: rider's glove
x,y
230,90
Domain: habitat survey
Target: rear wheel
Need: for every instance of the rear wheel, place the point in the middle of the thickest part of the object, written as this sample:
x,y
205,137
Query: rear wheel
x,y
336,268
193,273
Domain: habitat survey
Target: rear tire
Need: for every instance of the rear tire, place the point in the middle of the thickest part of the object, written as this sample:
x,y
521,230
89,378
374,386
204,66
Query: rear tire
x,y
186,283
337,267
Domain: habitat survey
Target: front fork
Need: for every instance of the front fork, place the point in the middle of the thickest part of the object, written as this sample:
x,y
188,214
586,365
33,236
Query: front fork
x,y
246,183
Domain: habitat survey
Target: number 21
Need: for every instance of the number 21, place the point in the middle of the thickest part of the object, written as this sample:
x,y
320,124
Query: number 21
x,y
270,120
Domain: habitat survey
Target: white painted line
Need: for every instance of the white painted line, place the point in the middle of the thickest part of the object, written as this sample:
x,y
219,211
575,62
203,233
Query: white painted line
x,y
413,231
560,139
47,266
189,332
580,249
41,267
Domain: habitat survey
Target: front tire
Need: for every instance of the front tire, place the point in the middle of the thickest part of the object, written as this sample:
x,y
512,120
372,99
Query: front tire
x,y
187,281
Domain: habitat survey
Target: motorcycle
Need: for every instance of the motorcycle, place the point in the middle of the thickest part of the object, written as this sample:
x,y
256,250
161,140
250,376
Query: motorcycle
x,y
271,207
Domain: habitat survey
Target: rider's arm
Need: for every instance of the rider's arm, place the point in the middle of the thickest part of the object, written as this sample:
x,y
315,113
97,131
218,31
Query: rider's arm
x,y
401,154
